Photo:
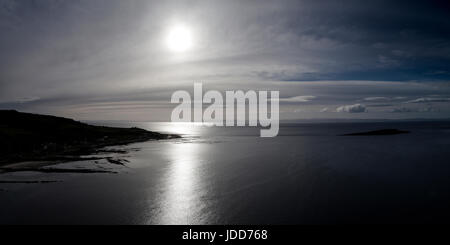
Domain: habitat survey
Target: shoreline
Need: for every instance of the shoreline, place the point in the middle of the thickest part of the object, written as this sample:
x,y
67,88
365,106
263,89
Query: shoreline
x,y
26,138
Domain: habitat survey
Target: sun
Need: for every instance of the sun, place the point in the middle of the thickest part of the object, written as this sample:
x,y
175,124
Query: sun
x,y
179,39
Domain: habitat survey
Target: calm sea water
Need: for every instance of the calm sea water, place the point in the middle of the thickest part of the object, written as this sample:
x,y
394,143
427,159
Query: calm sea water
x,y
307,175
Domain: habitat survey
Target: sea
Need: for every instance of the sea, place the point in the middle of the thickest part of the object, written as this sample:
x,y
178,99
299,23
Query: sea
x,y
309,174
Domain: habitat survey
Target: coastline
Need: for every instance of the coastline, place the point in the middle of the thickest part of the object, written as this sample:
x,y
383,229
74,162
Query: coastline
x,y
28,139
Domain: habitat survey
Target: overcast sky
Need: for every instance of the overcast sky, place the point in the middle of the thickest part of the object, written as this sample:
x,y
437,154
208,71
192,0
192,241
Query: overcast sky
x,y
108,59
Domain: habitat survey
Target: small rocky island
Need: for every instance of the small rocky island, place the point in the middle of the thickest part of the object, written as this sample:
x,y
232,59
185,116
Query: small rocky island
x,y
31,137
379,132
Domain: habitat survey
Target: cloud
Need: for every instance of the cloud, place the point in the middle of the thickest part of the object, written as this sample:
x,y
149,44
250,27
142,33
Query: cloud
x,y
401,53
384,98
376,99
408,110
379,105
387,62
324,109
357,108
428,100
402,110
428,109
400,98
8,6
28,99
298,99
22,100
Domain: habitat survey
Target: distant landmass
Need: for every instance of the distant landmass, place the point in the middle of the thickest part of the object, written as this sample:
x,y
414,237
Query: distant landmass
x,y
379,132
31,137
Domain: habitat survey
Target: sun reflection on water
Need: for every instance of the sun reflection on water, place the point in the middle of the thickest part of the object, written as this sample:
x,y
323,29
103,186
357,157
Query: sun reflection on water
x,y
180,201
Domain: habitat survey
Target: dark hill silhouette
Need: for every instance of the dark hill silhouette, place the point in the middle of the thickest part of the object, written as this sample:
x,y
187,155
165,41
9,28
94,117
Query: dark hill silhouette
x,y
25,136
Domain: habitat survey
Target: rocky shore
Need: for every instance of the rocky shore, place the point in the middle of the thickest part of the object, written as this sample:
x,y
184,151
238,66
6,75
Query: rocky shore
x,y
31,137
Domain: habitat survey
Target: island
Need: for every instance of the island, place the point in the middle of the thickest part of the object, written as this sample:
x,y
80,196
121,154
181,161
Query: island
x,y
379,132
32,137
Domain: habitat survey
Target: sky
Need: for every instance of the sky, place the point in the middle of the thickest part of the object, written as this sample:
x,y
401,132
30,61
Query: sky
x,y
110,60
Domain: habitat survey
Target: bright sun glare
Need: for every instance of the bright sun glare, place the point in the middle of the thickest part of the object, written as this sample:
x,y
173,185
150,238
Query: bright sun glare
x,y
179,39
